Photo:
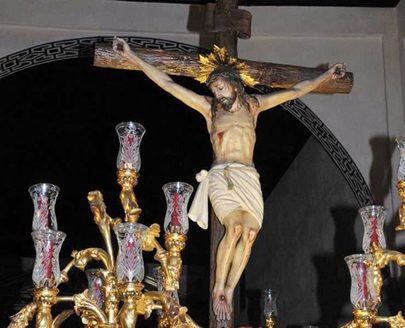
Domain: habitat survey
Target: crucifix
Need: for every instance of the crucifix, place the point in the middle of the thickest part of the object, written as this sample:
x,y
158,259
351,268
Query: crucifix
x,y
232,184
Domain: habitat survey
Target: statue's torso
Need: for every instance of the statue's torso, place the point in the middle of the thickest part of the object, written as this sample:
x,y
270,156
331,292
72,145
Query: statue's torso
x,y
233,135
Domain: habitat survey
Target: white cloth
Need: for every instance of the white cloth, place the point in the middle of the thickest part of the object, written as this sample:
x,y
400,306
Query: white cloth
x,y
229,187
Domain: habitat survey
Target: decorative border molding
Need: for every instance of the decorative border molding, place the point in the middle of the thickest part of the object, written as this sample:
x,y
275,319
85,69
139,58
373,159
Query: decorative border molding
x,y
83,47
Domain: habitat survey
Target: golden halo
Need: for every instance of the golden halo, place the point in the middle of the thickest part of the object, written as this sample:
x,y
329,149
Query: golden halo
x,y
220,57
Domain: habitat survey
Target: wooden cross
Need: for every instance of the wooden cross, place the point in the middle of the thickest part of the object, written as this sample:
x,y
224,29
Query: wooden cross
x,y
228,23
268,74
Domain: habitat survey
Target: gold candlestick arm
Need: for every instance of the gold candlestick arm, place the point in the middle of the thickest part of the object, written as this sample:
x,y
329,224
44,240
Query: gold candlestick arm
x,y
174,315
397,321
151,243
45,299
64,274
382,257
174,243
60,318
169,258
102,219
91,315
131,294
111,294
270,322
128,179
362,319
83,257
22,318
401,194
115,296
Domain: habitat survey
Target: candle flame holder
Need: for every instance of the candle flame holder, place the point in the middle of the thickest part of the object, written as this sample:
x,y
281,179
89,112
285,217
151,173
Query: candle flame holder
x,y
115,297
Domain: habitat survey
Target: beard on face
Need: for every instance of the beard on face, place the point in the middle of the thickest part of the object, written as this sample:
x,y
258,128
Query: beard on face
x,y
227,103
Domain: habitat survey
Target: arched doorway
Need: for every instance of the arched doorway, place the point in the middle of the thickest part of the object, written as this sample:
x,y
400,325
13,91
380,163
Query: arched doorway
x,y
57,124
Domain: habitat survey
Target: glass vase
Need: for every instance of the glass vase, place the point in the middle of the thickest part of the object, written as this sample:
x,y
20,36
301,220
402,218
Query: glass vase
x,y
363,294
130,135
44,197
130,267
47,244
373,220
269,303
177,195
95,286
401,167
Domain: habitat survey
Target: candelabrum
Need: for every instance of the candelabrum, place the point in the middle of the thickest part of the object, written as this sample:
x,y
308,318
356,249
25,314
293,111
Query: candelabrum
x,y
401,182
365,271
115,296
270,307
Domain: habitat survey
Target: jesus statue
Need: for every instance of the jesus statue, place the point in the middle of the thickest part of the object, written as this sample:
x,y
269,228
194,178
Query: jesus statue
x,y
232,184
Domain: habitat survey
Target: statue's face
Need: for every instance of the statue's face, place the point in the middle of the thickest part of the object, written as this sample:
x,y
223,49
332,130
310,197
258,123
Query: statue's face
x,y
224,92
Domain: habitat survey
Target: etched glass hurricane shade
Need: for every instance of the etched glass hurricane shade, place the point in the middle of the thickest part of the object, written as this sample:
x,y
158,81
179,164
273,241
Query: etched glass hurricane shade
x,y
373,220
130,267
269,303
363,294
177,196
46,271
95,286
401,167
130,135
44,197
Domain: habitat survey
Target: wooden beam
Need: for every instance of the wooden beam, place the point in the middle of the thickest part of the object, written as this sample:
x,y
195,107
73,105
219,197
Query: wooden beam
x,y
268,74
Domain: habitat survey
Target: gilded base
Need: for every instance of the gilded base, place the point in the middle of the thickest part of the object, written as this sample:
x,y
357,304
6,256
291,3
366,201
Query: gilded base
x,y
270,322
401,194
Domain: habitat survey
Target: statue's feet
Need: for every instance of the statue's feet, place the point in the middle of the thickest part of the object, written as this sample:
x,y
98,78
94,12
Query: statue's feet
x,y
220,306
229,299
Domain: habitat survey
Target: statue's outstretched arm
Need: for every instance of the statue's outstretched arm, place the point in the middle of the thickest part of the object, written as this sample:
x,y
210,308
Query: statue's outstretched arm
x,y
190,98
300,89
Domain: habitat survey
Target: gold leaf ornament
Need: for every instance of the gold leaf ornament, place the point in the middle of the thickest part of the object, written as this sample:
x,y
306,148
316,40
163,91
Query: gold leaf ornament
x,y
220,57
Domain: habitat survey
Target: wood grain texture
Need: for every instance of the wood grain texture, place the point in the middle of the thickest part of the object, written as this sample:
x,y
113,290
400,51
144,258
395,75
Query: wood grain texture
x,y
268,74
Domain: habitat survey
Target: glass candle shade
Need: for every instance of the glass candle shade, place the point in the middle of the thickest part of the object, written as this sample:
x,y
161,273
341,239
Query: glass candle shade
x,y
363,294
44,197
130,135
47,244
130,267
95,286
373,220
401,167
177,195
269,303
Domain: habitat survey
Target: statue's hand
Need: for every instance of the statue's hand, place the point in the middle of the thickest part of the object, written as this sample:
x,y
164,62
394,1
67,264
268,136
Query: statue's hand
x,y
121,46
338,71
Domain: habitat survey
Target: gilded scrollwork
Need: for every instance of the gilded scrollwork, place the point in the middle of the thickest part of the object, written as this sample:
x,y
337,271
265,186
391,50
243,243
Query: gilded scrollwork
x,y
128,179
401,210
367,318
83,257
60,318
397,321
22,318
384,256
90,313
123,302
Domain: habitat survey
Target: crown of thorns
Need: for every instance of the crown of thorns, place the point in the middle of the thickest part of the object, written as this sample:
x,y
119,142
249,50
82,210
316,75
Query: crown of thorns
x,y
220,63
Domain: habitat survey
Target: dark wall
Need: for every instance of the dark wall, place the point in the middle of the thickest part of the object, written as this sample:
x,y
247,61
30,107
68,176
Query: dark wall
x,y
310,224
57,125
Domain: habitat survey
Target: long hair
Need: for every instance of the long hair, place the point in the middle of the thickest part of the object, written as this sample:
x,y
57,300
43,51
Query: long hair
x,y
232,77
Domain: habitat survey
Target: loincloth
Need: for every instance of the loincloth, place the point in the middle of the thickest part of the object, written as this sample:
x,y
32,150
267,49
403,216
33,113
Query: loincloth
x,y
230,187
